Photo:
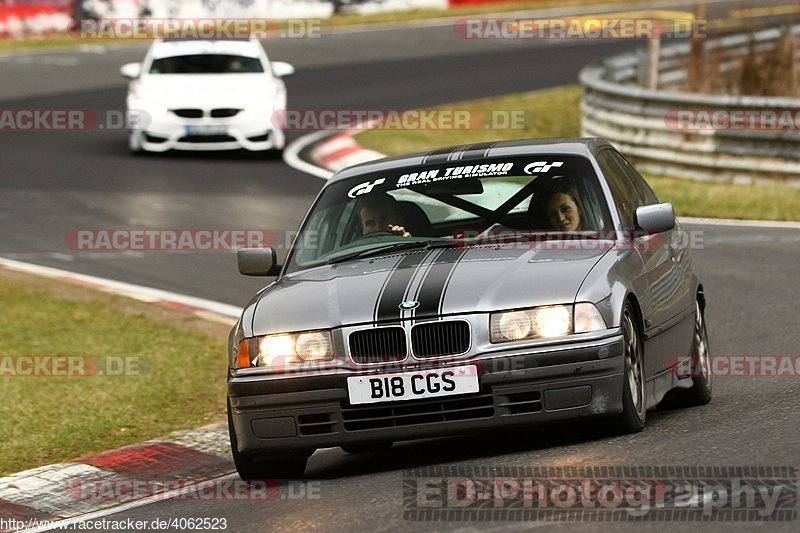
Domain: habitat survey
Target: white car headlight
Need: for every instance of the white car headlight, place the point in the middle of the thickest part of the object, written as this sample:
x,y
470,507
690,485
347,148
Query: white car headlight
x,y
513,326
544,322
284,350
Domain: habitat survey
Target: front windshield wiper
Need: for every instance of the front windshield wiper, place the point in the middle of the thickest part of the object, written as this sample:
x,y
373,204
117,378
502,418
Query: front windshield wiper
x,y
437,243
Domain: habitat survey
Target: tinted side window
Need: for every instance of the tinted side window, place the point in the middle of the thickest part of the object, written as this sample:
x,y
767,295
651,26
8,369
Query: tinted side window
x,y
621,189
643,190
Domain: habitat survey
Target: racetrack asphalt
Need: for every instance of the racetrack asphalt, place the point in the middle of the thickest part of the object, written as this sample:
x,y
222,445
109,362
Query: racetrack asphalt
x,y
56,181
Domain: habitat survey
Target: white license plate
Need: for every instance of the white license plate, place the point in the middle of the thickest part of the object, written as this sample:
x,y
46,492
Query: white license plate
x,y
413,385
206,129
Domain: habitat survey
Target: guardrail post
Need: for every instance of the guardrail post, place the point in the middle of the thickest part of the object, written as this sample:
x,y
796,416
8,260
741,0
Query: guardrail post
x,y
653,53
695,79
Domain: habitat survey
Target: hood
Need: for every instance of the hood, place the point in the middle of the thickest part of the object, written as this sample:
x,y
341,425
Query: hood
x,y
444,281
206,90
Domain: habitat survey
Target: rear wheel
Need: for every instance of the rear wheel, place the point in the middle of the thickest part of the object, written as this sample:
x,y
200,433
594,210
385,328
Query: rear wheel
x,y
253,467
700,392
634,410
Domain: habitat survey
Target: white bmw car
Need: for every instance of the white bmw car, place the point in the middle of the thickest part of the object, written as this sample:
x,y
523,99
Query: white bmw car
x,y
206,95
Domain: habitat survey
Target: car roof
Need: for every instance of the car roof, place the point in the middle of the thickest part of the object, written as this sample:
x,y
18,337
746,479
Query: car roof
x,y
182,47
470,152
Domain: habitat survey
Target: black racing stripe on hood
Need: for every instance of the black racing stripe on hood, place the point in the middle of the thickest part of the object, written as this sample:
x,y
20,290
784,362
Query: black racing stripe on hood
x,y
387,307
433,287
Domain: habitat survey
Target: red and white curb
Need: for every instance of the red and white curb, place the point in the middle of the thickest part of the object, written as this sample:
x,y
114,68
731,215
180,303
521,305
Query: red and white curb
x,y
131,474
77,488
341,151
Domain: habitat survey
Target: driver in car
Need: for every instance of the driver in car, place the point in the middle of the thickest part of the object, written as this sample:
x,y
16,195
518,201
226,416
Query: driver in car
x,y
381,212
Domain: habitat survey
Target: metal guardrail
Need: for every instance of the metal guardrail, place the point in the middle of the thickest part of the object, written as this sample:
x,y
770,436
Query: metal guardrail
x,y
642,122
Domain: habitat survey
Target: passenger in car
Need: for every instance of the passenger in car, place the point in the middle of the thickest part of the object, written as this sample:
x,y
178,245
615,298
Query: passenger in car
x,y
562,208
381,212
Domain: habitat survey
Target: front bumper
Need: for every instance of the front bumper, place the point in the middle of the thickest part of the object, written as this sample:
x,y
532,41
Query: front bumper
x,y
245,131
300,414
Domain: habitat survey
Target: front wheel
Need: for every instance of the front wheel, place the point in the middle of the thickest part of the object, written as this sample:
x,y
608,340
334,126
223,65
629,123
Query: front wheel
x,y
634,405
700,392
254,467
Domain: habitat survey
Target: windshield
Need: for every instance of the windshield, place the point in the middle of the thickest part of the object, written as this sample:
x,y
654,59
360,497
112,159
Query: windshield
x,y
449,203
206,64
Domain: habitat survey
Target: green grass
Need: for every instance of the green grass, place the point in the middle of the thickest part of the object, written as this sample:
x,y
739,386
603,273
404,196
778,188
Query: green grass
x,y
719,200
549,113
47,419
55,41
556,113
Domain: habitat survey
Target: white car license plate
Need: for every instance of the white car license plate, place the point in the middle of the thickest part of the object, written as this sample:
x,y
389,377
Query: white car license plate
x,y
413,385
206,129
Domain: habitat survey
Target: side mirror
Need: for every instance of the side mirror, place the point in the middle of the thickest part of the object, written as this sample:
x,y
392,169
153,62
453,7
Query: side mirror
x,y
258,261
131,70
281,69
655,218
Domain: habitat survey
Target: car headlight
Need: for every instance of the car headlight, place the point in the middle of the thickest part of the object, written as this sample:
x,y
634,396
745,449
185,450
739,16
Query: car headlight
x,y
544,322
284,350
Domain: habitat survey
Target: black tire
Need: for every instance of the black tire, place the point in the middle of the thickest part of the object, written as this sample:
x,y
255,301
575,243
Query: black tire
x,y
634,402
700,393
254,467
367,447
